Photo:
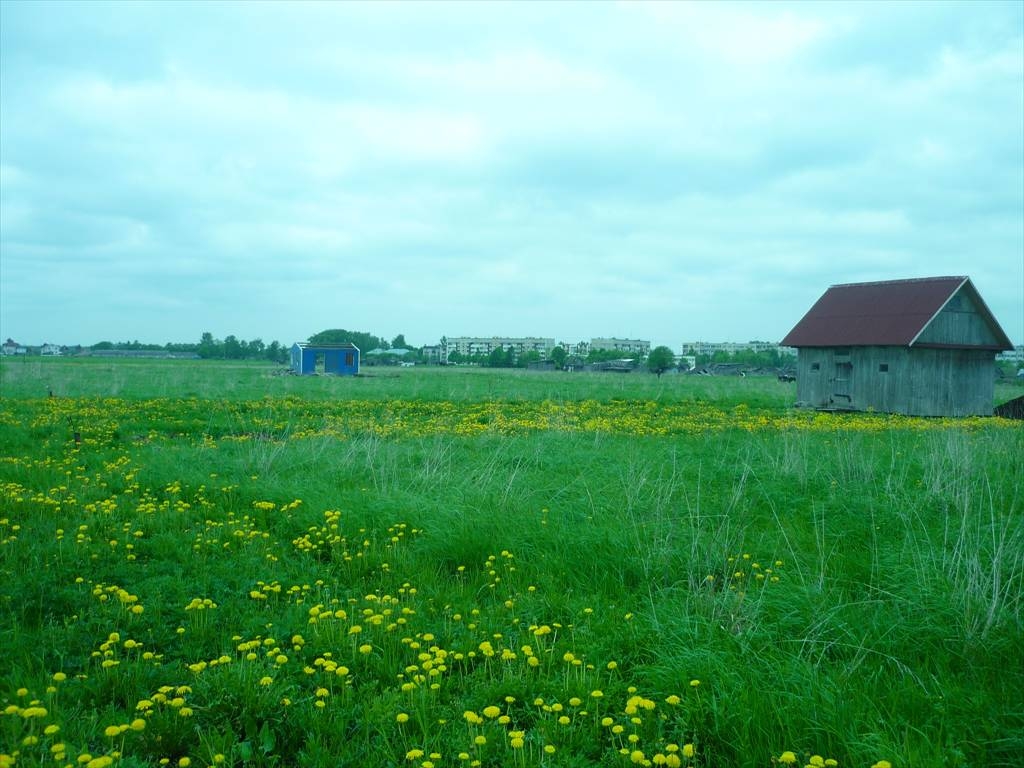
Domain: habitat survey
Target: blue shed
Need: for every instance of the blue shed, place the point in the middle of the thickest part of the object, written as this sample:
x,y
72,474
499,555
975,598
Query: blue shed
x,y
337,359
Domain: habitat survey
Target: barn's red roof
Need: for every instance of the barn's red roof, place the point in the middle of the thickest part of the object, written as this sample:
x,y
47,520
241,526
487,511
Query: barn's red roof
x,y
892,313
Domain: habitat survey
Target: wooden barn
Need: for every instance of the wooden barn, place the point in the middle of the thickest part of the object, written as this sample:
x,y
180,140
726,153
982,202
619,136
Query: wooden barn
x,y
923,347
338,359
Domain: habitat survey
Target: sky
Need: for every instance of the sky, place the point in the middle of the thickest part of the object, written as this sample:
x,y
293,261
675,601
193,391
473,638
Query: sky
x,y
662,171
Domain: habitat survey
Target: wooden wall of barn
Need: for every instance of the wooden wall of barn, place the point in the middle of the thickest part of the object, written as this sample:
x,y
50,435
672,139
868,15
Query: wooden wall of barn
x,y
911,381
959,324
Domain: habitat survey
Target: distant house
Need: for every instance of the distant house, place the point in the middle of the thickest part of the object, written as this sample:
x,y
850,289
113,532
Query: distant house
x,y
11,347
52,350
923,347
337,359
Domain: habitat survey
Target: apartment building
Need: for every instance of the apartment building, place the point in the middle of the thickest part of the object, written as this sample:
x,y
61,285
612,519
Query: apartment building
x,y
732,347
626,346
1015,355
478,345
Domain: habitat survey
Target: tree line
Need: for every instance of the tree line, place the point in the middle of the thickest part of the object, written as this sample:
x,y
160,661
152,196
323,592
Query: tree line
x,y
233,348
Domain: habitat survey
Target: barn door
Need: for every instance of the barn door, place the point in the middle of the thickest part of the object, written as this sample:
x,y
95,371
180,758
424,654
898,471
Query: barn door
x,y
842,381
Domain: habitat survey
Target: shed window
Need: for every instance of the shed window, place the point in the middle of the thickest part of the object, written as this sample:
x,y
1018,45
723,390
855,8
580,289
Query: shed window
x,y
815,366
883,367
348,358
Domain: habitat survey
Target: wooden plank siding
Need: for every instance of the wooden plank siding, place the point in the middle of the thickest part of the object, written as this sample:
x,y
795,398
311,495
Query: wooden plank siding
x,y
914,382
960,324
920,347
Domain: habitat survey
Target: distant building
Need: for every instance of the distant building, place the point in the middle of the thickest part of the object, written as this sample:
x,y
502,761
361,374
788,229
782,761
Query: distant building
x,y
479,345
580,349
629,346
733,347
922,347
11,347
432,353
50,350
337,359
1015,355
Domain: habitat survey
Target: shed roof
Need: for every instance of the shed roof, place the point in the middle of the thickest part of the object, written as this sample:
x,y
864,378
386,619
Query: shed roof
x,y
308,345
889,313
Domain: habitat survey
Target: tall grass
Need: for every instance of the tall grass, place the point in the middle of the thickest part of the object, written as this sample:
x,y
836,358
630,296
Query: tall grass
x,y
845,591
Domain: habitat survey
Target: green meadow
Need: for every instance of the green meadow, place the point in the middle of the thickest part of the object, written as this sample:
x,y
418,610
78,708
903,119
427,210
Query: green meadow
x,y
206,563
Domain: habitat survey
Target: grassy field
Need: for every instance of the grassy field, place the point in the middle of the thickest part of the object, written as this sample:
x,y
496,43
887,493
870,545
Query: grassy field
x,y
211,564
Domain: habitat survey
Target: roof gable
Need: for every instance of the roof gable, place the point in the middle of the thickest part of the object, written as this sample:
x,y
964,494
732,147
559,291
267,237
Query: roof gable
x,y
895,313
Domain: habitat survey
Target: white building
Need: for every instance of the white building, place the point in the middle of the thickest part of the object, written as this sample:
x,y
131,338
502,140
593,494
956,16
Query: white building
x,y
732,347
1015,355
478,345
627,346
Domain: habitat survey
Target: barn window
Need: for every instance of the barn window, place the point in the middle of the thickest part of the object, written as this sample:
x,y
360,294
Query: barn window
x,y
348,358
883,367
815,366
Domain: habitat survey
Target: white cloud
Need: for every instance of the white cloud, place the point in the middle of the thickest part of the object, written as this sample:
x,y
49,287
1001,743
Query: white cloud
x,y
542,168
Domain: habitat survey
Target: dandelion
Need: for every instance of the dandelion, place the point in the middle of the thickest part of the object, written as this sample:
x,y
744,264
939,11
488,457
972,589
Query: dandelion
x,y
788,758
688,751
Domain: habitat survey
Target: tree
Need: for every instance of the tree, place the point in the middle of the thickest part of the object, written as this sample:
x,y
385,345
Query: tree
x,y
232,348
660,360
558,355
209,347
530,356
365,341
499,358
399,342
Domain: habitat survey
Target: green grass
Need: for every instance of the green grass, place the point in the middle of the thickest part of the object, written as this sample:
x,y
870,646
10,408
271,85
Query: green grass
x,y
136,379
630,515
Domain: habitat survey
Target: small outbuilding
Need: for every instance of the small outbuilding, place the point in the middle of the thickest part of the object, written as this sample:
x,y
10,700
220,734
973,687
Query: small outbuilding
x,y
923,347
337,359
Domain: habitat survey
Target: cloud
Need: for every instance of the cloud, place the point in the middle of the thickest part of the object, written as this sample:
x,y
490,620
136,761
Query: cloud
x,y
659,169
